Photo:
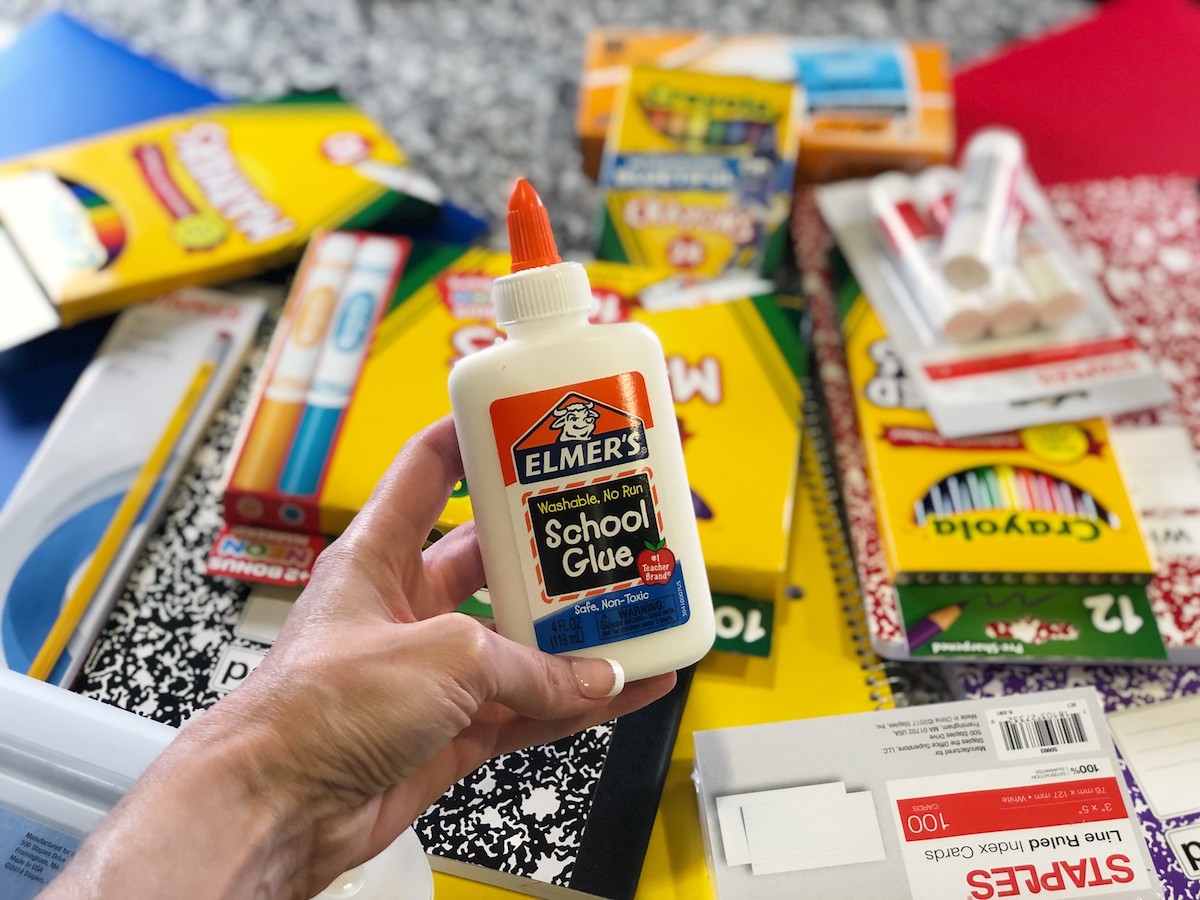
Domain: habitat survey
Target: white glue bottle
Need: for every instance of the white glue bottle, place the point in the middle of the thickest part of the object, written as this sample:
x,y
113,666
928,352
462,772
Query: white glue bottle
x,y
575,469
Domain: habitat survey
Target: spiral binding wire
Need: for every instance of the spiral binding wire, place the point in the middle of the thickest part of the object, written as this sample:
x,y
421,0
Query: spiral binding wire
x,y
819,470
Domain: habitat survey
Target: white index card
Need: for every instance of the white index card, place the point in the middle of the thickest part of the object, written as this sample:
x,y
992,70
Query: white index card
x,y
732,824
1161,743
264,613
1160,467
835,831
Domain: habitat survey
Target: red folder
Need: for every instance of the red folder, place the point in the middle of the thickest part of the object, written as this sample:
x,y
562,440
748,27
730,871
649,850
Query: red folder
x,y
1116,93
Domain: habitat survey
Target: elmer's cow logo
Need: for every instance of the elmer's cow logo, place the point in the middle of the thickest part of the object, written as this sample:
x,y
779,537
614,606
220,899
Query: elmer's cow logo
x,y
578,434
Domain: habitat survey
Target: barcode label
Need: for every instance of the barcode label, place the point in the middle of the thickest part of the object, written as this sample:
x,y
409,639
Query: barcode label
x,y
1042,729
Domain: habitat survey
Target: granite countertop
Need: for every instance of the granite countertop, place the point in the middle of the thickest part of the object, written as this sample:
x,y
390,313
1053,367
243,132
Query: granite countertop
x,y
478,92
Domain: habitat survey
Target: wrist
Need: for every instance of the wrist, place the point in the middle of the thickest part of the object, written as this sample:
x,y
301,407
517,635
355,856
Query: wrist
x,y
212,817
271,824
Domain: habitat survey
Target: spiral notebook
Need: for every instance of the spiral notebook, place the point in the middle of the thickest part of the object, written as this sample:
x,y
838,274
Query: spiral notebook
x,y
1141,236
818,473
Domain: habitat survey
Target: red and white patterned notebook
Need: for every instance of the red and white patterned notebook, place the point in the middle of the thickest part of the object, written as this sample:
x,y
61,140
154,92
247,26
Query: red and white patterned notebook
x,y
1141,237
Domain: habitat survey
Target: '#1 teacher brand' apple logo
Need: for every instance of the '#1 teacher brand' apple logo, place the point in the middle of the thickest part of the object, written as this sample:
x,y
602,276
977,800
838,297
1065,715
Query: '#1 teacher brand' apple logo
x,y
656,563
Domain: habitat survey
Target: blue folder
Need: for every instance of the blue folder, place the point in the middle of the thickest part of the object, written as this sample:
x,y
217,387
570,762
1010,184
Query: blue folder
x,y
60,81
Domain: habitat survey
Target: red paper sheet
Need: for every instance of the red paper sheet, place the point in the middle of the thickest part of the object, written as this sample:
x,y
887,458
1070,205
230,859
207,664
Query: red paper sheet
x,y
1114,94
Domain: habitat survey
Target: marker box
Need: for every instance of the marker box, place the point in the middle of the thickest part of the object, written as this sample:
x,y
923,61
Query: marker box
x,y
869,106
291,431
89,227
735,373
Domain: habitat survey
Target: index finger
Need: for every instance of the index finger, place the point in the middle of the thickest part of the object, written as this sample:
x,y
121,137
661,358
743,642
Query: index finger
x,y
411,495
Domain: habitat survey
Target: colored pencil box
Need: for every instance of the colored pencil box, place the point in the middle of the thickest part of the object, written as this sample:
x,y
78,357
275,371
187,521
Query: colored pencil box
x,y
735,372
869,106
208,196
1026,540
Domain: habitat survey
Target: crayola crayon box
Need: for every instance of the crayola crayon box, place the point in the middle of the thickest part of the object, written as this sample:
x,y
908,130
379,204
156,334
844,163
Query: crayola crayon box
x,y
734,368
869,106
1024,542
698,172
202,197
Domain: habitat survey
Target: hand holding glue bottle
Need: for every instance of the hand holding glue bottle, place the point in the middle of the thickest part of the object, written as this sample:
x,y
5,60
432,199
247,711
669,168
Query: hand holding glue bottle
x,y
581,500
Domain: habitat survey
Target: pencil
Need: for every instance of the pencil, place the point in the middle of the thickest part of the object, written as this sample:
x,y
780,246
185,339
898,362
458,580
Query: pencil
x,y
1008,484
999,498
935,498
126,515
925,630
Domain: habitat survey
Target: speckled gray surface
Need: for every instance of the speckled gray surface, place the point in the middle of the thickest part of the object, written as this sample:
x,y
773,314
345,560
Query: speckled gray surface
x,y
479,91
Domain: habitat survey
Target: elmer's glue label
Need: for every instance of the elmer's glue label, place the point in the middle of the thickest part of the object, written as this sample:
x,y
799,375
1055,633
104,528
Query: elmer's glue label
x,y
572,451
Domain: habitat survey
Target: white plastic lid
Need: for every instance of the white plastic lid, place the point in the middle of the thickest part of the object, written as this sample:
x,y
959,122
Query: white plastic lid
x,y
400,872
378,253
337,249
540,293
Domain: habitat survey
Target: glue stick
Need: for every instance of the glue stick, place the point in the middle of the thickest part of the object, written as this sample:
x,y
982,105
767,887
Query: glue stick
x,y
953,314
1009,297
974,246
575,466
1057,290
935,189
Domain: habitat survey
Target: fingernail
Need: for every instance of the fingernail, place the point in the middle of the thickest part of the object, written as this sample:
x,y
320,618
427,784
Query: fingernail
x,y
598,678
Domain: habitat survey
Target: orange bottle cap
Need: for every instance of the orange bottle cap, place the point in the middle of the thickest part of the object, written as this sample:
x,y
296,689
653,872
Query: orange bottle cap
x,y
529,233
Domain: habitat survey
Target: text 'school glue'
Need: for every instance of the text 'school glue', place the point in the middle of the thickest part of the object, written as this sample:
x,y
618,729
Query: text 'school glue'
x,y
283,401
913,247
575,466
345,346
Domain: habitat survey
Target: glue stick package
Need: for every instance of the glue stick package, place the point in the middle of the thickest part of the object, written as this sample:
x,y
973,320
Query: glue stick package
x,y
989,306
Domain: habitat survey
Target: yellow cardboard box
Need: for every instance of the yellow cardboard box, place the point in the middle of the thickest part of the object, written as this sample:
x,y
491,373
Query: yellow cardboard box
x,y
735,372
1044,500
698,171
203,197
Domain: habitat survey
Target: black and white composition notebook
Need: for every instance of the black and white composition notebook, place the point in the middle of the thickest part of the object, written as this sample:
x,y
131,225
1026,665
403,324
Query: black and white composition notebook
x,y
568,819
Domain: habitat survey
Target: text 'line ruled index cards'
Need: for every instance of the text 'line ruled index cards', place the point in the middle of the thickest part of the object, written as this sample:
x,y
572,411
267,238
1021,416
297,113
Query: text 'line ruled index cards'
x,y
1161,743
796,828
